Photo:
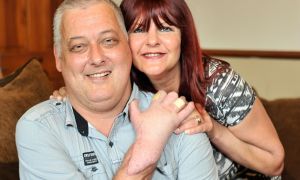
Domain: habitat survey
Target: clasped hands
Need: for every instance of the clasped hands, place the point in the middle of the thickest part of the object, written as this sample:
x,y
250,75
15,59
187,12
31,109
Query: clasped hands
x,y
155,125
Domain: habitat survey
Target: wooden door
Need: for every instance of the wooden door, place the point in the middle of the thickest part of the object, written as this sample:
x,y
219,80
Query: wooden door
x,y
25,32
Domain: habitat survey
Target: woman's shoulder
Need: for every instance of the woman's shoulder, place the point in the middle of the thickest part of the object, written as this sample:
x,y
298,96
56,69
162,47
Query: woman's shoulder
x,y
214,66
229,97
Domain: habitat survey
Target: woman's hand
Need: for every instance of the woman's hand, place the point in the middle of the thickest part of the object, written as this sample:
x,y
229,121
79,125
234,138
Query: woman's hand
x,y
197,122
60,94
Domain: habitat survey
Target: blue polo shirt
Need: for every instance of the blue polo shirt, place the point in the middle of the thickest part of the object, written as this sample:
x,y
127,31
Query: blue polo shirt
x,y
56,142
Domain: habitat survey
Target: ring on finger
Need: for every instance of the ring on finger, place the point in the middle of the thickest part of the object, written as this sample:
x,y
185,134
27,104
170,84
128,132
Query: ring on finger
x,y
198,120
179,103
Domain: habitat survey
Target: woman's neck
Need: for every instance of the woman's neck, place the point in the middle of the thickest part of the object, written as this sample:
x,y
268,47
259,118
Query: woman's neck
x,y
169,81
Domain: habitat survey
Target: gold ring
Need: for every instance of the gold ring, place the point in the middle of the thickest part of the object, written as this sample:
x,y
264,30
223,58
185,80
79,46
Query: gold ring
x,y
179,103
198,120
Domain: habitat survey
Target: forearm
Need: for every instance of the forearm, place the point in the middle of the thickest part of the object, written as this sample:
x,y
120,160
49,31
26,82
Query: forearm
x,y
259,157
146,150
122,173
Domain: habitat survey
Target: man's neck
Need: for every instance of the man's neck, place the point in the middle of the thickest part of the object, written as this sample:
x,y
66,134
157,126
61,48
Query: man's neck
x,y
101,119
101,115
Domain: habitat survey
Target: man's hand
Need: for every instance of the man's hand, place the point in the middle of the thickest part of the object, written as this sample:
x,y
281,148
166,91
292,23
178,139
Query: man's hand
x,y
154,127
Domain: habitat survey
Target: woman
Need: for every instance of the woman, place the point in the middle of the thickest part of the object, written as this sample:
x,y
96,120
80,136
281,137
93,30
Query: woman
x,y
167,56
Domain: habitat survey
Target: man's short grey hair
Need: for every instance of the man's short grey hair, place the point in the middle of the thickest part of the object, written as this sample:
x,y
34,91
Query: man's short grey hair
x,y
73,4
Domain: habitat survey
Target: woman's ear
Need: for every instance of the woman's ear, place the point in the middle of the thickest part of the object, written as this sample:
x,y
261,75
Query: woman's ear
x,y
57,59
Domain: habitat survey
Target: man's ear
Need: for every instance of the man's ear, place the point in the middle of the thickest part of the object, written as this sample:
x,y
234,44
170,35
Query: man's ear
x,y
57,59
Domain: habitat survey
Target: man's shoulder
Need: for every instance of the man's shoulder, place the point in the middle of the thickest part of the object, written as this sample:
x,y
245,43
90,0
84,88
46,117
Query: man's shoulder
x,y
182,138
144,97
44,111
43,119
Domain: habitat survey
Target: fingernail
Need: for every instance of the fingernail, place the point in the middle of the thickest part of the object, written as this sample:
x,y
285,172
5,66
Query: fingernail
x,y
156,96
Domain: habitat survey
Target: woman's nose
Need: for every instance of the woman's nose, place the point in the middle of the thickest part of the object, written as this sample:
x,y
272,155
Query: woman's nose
x,y
152,39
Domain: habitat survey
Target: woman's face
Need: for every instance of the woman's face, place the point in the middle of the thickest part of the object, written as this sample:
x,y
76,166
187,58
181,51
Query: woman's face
x,y
156,52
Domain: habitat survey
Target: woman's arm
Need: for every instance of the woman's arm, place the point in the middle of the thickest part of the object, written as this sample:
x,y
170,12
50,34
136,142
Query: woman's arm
x,y
251,139
253,143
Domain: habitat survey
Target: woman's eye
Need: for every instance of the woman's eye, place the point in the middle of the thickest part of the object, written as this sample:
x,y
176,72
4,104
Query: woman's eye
x,y
166,29
138,30
77,48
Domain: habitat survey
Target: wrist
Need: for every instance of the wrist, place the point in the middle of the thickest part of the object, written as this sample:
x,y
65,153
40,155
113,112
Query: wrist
x,y
214,133
211,136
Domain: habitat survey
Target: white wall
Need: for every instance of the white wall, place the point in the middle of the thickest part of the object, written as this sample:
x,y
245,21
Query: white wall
x,y
254,25
271,78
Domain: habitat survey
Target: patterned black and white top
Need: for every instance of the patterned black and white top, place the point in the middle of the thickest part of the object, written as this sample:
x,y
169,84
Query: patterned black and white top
x,y
229,98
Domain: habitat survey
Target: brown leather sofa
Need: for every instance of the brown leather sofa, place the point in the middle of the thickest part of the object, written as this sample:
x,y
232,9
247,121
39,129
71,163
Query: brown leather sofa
x,y
285,114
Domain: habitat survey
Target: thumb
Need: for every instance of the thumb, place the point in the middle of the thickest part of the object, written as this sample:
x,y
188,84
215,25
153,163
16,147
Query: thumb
x,y
134,112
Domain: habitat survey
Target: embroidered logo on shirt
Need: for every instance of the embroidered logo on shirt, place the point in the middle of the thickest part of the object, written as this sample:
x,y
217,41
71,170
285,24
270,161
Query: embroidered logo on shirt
x,y
89,158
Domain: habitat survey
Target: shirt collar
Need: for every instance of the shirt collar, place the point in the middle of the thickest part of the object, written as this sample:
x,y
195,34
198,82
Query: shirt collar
x,y
82,124
134,95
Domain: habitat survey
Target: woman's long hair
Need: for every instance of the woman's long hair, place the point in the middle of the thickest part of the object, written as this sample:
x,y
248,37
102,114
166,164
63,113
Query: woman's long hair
x,y
175,13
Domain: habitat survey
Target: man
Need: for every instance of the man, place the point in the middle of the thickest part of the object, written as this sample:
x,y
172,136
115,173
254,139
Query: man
x,y
91,135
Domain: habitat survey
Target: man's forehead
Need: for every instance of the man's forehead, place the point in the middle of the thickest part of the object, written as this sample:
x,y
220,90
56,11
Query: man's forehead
x,y
101,10
101,18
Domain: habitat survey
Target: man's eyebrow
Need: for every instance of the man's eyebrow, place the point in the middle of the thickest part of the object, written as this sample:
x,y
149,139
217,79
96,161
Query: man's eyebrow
x,y
100,33
108,31
76,37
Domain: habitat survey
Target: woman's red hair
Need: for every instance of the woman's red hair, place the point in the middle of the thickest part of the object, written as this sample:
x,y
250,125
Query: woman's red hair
x,y
175,13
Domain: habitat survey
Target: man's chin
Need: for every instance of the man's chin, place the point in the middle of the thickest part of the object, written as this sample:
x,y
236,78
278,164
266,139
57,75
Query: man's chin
x,y
100,99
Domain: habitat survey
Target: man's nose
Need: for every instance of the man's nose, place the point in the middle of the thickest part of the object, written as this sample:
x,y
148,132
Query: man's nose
x,y
97,55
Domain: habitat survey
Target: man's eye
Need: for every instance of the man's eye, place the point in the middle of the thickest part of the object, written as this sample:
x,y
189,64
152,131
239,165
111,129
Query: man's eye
x,y
77,48
109,42
166,29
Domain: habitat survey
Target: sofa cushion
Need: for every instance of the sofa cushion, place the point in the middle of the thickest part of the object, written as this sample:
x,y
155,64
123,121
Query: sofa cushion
x,y
27,86
9,171
285,115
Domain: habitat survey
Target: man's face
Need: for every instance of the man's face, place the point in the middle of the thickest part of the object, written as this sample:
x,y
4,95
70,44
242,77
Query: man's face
x,y
96,58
